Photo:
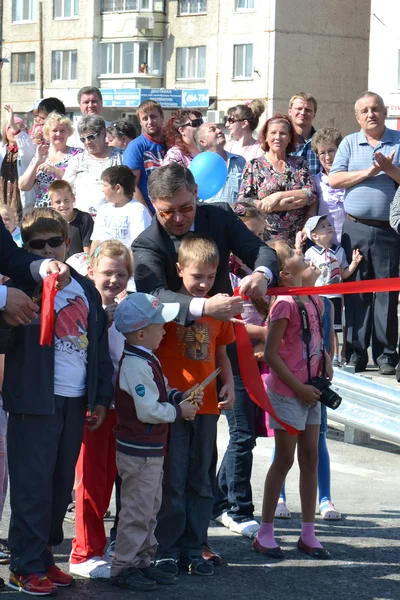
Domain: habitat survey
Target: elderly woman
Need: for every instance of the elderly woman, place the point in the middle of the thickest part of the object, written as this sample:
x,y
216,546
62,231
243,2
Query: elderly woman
x,y
51,158
281,186
179,136
85,169
241,121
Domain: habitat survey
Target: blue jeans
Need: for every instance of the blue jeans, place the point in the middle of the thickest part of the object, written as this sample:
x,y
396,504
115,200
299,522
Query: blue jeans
x,y
233,492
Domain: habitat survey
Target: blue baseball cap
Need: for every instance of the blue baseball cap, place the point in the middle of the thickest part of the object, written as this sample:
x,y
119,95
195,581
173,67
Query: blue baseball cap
x,y
312,223
139,310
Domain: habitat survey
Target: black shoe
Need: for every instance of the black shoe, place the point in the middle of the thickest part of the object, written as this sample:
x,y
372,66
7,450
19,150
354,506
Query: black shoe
x,y
196,565
167,565
133,579
387,369
156,574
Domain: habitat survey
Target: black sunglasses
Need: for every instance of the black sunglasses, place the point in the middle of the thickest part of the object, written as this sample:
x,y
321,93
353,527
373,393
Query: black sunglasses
x,y
194,123
232,120
53,242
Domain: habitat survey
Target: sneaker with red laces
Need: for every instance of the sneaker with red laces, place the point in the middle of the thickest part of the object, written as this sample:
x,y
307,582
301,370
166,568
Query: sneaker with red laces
x,y
58,577
35,584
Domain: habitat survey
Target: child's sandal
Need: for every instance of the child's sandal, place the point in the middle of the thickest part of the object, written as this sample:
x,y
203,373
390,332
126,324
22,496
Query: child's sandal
x,y
282,511
329,512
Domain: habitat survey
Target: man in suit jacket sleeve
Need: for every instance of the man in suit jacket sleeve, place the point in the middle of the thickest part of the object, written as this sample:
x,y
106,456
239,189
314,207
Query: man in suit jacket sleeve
x,y
173,192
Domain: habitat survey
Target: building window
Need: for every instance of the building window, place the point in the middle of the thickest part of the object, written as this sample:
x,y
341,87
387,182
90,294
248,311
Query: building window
x,y
131,58
192,7
244,4
191,63
243,61
131,5
24,10
23,67
63,65
64,9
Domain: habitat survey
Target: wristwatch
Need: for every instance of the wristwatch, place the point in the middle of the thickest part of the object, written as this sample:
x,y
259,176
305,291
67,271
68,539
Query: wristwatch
x,y
264,275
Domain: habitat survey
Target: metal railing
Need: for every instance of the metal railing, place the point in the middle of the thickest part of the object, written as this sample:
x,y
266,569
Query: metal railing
x,y
367,406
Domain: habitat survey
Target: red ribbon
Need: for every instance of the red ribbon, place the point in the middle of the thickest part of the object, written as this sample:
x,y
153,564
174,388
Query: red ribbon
x,y
49,292
352,287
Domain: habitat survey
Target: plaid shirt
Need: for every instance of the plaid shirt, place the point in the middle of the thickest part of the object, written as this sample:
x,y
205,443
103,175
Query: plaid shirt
x,y
303,148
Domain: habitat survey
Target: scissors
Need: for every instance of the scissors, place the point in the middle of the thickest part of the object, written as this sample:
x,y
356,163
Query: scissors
x,y
202,385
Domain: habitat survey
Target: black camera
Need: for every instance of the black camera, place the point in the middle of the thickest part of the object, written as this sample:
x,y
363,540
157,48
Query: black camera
x,y
328,397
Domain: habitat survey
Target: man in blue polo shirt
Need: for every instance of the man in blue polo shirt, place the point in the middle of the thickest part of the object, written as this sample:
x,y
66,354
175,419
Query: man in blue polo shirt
x,y
367,165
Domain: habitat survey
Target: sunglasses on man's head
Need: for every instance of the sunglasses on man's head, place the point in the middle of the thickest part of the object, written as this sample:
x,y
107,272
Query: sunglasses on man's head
x,y
53,242
89,138
194,123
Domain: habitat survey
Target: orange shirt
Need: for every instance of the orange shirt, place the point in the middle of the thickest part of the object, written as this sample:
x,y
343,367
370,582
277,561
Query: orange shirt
x,y
187,356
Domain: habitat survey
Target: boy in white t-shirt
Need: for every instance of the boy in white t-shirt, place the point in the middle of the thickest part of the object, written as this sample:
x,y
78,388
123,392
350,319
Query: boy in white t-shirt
x,y
331,260
47,392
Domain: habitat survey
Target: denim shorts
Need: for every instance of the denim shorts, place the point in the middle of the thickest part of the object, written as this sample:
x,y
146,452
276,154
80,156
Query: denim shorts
x,y
293,412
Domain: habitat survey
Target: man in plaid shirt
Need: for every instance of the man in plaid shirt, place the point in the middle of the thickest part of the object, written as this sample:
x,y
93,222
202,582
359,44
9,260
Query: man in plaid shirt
x,y
302,111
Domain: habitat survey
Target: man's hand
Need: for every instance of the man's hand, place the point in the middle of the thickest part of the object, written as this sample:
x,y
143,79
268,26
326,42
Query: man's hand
x,y
19,308
254,285
96,417
382,162
228,394
223,307
64,276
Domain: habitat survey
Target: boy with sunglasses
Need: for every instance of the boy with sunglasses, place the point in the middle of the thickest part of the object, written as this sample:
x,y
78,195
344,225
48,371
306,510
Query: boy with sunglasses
x,y
47,391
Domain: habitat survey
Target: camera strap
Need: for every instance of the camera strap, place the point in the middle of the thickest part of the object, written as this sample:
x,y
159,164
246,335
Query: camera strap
x,y
306,332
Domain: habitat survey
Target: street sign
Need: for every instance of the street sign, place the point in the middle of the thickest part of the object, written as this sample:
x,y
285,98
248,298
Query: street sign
x,y
168,98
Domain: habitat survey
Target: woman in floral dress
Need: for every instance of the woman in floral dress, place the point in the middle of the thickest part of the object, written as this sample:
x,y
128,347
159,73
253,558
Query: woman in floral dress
x,y
280,185
51,158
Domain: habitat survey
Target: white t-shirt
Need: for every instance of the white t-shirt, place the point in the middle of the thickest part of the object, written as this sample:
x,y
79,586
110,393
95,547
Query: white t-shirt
x,y
84,174
330,262
70,341
123,223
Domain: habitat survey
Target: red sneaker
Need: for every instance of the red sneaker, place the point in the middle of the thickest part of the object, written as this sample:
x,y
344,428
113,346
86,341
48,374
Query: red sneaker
x,y
36,584
58,577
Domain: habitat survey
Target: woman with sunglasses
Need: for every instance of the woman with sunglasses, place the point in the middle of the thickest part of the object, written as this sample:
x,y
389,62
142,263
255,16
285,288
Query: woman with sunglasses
x,y
51,159
179,135
241,121
85,169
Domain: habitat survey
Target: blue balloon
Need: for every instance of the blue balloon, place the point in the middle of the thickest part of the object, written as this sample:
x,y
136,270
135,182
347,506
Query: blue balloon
x,y
210,173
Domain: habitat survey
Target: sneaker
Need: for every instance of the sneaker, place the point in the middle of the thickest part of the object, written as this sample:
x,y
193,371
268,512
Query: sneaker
x,y
110,550
224,519
167,565
58,577
246,528
97,567
35,584
133,579
155,574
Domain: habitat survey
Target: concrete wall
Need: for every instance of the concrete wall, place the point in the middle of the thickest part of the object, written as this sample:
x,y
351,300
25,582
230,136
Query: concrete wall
x,y
322,48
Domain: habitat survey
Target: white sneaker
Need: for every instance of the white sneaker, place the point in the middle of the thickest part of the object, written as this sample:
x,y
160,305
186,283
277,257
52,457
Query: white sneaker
x,y
247,528
97,567
224,519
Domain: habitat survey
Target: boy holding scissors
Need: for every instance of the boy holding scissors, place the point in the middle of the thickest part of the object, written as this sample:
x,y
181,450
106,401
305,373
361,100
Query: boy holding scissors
x,y
187,355
145,406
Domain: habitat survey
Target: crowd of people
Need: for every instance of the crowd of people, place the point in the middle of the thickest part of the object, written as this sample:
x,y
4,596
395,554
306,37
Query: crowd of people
x,y
126,302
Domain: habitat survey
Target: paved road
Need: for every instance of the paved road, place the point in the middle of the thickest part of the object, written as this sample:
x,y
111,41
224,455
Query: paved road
x,y
365,546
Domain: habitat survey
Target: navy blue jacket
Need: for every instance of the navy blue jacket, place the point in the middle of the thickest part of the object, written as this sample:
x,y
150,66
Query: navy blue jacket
x,y
28,386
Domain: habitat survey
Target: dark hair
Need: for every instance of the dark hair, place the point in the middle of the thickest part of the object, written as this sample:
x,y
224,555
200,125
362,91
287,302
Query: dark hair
x,y
149,105
43,220
173,137
122,175
278,118
58,185
246,210
89,89
50,105
248,112
122,127
165,181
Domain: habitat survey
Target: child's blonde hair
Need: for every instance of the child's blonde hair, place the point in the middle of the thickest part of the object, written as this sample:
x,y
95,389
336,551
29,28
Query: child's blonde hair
x,y
58,185
283,252
43,220
112,249
198,249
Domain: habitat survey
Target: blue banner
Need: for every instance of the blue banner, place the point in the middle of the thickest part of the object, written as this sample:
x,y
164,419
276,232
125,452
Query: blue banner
x,y
168,98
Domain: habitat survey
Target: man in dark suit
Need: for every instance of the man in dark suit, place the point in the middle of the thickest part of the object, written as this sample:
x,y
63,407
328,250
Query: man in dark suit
x,y
173,192
23,268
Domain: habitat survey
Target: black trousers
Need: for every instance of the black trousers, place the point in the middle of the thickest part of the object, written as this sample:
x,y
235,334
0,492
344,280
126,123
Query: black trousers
x,y
372,315
42,453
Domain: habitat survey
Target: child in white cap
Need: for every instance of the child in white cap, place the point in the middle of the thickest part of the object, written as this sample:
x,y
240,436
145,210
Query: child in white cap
x,y
331,260
145,405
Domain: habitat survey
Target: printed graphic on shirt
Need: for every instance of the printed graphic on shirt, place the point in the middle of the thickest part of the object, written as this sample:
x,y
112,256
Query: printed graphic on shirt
x,y
151,161
71,326
140,390
194,341
116,227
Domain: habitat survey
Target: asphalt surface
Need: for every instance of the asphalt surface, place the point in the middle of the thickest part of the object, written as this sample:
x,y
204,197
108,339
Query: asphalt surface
x,y
365,545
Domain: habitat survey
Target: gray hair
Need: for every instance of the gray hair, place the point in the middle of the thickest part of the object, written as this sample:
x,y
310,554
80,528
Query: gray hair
x,y
165,181
197,137
91,123
369,95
